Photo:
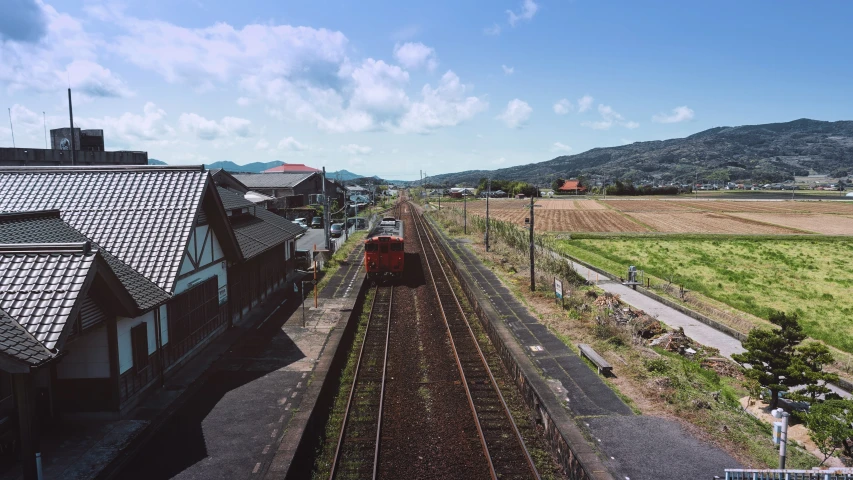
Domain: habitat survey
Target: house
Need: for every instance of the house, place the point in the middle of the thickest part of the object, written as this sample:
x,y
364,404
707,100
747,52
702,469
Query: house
x,y
571,187
131,265
268,244
291,168
459,192
291,189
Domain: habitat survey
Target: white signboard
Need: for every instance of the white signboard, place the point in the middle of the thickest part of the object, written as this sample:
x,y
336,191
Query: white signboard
x,y
558,288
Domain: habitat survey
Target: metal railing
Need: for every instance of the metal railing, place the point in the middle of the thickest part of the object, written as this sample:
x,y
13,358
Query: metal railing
x,y
816,474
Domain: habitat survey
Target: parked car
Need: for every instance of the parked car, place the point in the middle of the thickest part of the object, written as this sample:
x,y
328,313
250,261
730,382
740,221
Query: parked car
x,y
336,230
317,222
301,221
300,225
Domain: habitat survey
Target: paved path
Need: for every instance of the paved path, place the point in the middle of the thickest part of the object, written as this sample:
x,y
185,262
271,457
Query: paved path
x,y
693,328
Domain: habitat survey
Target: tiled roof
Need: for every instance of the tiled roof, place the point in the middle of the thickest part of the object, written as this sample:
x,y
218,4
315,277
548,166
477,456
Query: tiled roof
x,y
272,180
18,343
142,215
262,231
47,227
39,285
232,200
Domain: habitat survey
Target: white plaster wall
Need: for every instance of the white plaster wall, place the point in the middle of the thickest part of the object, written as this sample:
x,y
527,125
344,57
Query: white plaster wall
x,y
88,356
164,325
217,269
125,351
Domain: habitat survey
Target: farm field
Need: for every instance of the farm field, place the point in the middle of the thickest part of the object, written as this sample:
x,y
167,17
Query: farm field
x,y
814,222
813,277
707,222
683,215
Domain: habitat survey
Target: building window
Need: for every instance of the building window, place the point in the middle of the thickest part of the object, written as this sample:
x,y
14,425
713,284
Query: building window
x,y
139,346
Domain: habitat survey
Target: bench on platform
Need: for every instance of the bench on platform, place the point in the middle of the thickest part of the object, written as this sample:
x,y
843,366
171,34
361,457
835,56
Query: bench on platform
x,y
604,367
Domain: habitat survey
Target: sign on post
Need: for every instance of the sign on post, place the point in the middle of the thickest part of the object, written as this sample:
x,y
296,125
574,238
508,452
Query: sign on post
x,y
558,290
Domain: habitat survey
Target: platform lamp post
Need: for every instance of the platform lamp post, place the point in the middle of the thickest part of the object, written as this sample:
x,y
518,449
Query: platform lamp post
x,y
532,264
465,215
783,435
488,194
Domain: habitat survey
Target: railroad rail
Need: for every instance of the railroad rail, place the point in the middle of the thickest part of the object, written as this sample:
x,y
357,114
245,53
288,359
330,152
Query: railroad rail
x,y
502,444
357,452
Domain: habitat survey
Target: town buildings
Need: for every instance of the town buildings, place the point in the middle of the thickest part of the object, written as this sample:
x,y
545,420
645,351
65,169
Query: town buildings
x,y
113,276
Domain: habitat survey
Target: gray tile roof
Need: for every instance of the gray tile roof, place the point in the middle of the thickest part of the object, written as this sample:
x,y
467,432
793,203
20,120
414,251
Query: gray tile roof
x,y
272,180
232,200
142,215
39,285
18,343
261,230
47,227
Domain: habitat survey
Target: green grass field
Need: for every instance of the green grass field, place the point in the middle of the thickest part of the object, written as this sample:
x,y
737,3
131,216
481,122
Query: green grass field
x,y
811,277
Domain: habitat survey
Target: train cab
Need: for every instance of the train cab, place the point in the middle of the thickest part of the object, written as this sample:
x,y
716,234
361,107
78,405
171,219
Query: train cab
x,y
383,249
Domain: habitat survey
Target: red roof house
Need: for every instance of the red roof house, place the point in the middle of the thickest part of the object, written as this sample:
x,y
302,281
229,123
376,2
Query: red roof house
x,y
571,186
291,168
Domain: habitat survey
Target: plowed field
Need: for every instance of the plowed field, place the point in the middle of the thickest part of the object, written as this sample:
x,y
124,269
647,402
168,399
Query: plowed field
x,y
650,206
569,205
813,222
702,222
584,221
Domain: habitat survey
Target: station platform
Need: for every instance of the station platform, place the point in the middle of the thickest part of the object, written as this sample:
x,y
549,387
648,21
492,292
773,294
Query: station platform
x,y
629,445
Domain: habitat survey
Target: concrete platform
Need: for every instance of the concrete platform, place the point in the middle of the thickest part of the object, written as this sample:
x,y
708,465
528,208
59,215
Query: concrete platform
x,y
584,410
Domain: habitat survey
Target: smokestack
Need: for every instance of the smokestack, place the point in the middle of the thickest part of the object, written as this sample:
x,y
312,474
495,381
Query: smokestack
x,y
71,119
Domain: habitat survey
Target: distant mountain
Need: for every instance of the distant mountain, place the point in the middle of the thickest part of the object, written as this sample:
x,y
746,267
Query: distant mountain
x,y
343,175
759,153
154,161
255,167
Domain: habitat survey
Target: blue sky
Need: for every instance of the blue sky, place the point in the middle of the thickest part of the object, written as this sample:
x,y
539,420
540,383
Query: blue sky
x,y
391,88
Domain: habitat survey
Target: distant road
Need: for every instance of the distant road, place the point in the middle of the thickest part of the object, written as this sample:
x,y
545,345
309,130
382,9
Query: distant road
x,y
770,196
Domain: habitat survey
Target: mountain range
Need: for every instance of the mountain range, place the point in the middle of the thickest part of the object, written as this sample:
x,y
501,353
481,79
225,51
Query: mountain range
x,y
771,152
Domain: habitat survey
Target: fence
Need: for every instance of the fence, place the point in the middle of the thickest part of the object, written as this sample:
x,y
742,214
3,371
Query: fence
x,y
828,474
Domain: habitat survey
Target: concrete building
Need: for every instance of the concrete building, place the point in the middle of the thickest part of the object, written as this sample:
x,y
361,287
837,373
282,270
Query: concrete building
x,y
88,150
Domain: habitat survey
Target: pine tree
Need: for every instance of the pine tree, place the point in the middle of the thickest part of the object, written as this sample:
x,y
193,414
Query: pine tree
x,y
770,354
807,370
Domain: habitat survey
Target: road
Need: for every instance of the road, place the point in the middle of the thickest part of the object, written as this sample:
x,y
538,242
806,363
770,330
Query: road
x,y
315,236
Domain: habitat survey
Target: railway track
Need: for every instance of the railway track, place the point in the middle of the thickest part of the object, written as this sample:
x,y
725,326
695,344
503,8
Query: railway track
x,y
357,452
502,444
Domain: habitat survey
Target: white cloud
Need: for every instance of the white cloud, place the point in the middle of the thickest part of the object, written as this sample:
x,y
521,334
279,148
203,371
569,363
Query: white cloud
x,y
205,57
211,129
499,161
354,149
65,54
493,30
560,147
133,131
415,55
516,114
379,88
584,103
291,145
679,114
563,106
609,117
262,144
244,102
528,10
443,106
508,70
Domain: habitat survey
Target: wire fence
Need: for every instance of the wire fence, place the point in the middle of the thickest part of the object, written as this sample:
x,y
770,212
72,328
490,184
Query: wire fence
x,y
828,474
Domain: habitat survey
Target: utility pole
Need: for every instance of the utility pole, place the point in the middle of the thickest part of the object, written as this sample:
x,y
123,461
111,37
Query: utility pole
x,y
488,194
71,119
532,266
325,211
11,127
465,214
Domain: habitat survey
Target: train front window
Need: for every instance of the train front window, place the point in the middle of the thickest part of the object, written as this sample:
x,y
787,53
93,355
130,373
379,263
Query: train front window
x,y
383,248
396,247
370,247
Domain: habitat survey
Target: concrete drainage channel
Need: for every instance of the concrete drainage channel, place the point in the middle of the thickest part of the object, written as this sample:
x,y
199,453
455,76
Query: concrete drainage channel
x,y
567,442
